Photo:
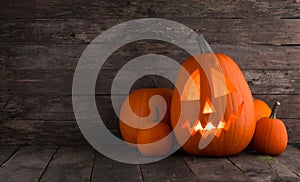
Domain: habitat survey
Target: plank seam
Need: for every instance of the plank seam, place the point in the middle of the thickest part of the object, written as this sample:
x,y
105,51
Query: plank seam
x,y
4,162
277,45
94,161
295,173
141,171
236,165
287,167
290,18
189,168
46,167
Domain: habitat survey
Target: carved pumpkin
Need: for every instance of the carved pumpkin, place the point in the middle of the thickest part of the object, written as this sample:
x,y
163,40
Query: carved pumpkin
x,y
226,134
270,135
154,134
261,109
139,112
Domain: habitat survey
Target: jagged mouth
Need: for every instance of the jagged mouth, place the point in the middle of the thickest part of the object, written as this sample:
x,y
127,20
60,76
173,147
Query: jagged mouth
x,y
210,128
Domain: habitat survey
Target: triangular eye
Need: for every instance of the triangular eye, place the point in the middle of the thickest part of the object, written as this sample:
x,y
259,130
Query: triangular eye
x,y
221,84
191,90
208,107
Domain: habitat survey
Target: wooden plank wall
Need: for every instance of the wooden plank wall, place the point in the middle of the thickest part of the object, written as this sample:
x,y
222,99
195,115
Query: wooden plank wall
x,y
42,40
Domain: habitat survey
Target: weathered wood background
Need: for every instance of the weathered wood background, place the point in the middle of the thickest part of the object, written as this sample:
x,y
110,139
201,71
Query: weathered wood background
x,y
42,40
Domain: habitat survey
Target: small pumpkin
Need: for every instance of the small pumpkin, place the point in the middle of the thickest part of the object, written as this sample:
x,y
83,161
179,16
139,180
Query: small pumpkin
x,y
138,104
155,134
261,109
270,135
235,127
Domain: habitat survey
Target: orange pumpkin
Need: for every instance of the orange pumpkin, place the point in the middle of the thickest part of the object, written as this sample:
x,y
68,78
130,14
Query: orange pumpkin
x,y
137,104
229,133
261,109
155,134
270,135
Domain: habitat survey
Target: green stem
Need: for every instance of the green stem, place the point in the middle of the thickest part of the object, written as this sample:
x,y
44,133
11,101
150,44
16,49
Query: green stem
x,y
156,116
274,110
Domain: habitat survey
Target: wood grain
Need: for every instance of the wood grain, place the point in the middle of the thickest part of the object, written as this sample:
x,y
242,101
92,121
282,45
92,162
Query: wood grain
x,y
82,163
292,126
60,107
263,168
67,132
44,119
291,159
162,9
42,41
51,82
40,132
70,163
27,164
66,57
106,169
169,169
221,31
215,169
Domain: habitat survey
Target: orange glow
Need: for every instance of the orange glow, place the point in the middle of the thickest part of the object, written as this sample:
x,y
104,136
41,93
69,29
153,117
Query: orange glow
x,y
208,107
210,128
191,89
221,84
198,127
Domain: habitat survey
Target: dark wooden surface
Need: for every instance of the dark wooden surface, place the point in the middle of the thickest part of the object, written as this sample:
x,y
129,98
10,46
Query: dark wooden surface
x,y
82,163
41,42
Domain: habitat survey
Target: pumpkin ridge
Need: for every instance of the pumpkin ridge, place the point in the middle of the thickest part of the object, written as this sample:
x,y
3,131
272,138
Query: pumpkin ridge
x,y
226,70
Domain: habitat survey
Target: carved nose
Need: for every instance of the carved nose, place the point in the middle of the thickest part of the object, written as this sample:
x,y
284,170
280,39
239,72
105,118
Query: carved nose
x,y
208,107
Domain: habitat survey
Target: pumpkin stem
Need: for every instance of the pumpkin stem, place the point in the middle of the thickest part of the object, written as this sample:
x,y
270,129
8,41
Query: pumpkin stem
x,y
203,45
274,110
156,114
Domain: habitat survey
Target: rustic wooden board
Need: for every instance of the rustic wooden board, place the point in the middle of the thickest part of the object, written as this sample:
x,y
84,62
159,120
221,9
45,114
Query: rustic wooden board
x,y
49,82
289,104
82,163
293,129
215,169
70,163
68,133
291,159
6,153
135,9
66,57
27,164
41,42
106,169
31,107
170,169
221,31
40,132
263,168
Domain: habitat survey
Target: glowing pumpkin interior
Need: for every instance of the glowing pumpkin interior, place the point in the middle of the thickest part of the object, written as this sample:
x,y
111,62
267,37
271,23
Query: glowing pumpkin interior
x,y
192,92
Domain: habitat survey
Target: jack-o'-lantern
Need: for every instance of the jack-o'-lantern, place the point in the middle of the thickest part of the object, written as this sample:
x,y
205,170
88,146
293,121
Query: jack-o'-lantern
x,y
220,114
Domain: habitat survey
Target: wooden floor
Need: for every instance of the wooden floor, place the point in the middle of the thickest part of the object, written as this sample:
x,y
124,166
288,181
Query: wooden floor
x,y
83,163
